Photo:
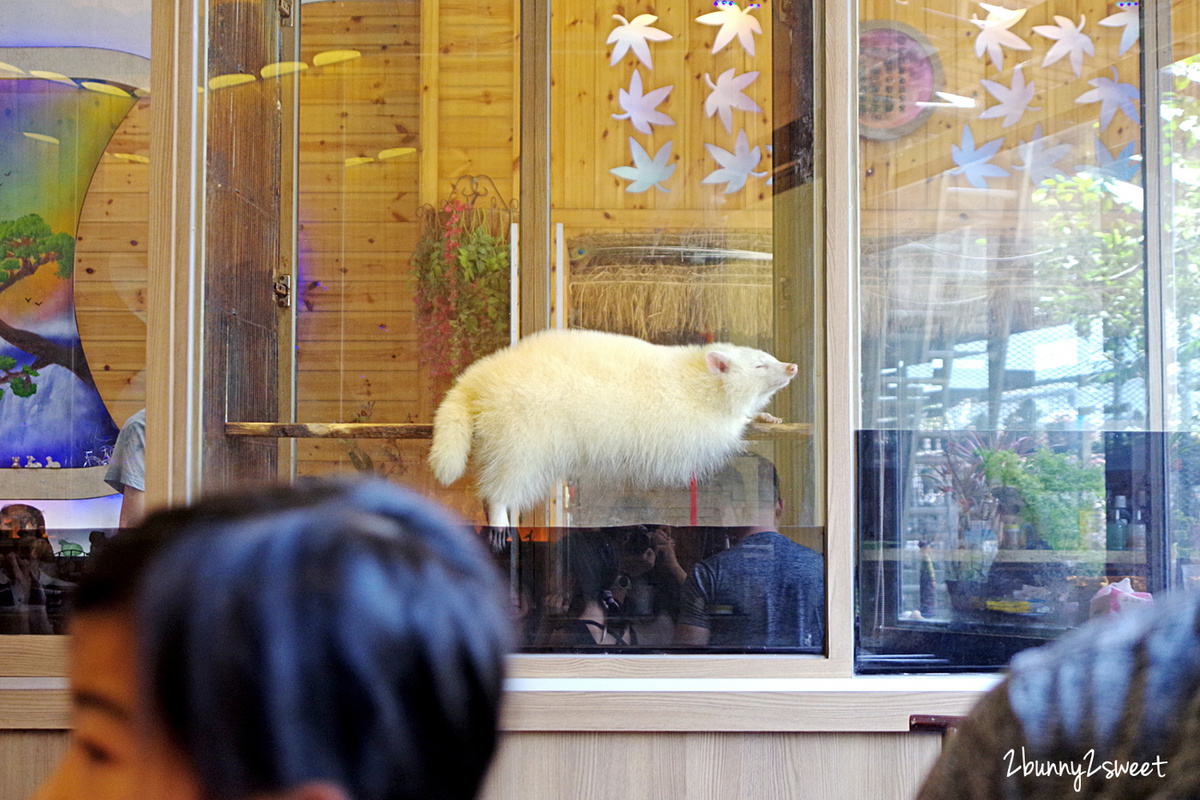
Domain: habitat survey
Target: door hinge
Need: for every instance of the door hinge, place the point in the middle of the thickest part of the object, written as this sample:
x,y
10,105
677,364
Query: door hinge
x,y
286,20
283,291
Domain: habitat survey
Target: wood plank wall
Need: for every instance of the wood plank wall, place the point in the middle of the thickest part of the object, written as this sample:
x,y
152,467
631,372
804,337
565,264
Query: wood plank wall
x,y
670,766
356,345
586,142
110,266
453,99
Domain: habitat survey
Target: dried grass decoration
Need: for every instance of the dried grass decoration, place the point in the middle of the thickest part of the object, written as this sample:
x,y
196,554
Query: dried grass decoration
x,y
666,286
461,267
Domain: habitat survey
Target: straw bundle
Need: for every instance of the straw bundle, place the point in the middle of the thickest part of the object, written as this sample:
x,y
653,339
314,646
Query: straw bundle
x,y
672,286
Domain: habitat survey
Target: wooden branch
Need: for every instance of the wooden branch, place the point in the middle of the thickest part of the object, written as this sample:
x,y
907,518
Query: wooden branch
x,y
329,430
371,430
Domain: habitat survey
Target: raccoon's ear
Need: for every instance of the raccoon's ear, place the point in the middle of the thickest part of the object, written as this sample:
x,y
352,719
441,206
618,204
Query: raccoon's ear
x,y
717,363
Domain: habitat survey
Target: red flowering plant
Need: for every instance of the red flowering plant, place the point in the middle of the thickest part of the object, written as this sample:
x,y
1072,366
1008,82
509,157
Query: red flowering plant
x,y
461,269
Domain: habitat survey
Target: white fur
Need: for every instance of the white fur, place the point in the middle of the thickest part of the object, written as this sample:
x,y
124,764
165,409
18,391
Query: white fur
x,y
598,406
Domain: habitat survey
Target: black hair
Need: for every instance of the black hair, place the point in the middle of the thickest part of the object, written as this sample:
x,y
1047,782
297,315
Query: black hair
x,y
334,631
591,561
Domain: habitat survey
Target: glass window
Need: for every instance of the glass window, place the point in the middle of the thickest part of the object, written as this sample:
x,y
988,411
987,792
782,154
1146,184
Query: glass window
x,y
682,200
1177,207
384,180
1009,455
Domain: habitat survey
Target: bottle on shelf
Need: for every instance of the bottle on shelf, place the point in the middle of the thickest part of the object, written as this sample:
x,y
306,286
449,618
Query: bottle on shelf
x,y
1117,531
1137,530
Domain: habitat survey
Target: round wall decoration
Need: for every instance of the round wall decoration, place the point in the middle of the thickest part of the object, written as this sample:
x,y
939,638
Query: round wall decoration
x,y
899,73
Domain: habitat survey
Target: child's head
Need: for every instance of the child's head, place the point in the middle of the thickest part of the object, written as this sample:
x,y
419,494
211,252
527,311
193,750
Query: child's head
x,y
319,641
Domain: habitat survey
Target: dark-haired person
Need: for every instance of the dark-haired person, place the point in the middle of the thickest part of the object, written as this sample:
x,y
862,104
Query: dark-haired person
x,y
1110,710
24,554
332,641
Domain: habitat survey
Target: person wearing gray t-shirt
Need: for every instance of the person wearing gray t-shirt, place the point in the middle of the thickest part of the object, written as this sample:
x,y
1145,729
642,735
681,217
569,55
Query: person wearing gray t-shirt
x,y
127,469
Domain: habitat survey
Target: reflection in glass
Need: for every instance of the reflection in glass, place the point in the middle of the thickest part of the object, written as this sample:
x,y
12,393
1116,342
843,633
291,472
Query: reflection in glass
x,y
1005,472
659,588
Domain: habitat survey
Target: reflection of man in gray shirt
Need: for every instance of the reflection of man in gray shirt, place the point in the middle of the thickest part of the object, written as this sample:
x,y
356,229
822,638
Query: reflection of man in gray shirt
x,y
765,591
127,468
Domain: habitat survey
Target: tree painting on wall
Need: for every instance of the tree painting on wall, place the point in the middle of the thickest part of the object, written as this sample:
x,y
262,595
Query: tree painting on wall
x,y
53,133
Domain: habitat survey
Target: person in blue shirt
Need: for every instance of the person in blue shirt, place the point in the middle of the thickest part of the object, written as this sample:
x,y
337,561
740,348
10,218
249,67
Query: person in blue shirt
x,y
765,591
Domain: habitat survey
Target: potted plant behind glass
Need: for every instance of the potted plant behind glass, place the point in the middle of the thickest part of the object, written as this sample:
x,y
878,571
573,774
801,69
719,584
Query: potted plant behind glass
x,y
461,271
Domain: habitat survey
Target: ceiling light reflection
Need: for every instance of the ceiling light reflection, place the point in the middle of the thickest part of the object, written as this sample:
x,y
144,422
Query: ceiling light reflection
x,y
282,68
334,57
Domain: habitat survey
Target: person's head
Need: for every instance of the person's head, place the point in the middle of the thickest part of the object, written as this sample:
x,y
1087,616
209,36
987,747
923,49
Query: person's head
x,y
20,519
638,555
591,564
324,641
755,504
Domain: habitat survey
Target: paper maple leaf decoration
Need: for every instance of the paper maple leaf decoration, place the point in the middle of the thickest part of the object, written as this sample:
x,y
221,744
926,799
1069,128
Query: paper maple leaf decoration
x,y
994,32
727,95
771,155
1070,40
973,162
646,171
736,167
635,35
1121,167
1127,19
1014,100
734,22
642,109
1039,159
1112,95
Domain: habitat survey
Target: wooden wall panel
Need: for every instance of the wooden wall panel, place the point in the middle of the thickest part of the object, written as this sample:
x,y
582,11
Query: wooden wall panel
x,y
26,758
359,223
110,266
586,142
716,766
634,766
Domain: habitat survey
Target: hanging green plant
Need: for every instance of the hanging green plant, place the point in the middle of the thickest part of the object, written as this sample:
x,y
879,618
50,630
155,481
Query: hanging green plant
x,y
461,268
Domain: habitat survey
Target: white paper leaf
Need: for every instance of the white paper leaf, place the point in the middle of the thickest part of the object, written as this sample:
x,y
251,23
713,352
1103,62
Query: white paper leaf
x,y
1121,167
727,95
973,162
736,167
642,109
1112,95
771,155
1127,19
1070,40
635,35
646,171
1038,159
734,22
994,32
1014,100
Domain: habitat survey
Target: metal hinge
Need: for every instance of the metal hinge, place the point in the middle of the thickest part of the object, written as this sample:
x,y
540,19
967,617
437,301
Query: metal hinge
x,y
283,291
286,20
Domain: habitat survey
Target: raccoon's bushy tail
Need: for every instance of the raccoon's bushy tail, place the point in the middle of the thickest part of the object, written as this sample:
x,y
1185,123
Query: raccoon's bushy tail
x,y
452,425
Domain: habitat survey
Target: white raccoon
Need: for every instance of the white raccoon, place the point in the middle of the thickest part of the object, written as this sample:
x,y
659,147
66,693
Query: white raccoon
x,y
598,406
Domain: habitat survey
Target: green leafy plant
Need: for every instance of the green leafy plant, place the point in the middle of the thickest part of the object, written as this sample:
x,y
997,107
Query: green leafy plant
x,y
982,472
461,270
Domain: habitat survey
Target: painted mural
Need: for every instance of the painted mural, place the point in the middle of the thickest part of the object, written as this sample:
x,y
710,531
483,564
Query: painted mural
x,y
54,133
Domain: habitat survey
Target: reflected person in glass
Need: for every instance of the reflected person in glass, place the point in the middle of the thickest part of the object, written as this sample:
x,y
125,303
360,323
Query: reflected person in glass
x,y
765,591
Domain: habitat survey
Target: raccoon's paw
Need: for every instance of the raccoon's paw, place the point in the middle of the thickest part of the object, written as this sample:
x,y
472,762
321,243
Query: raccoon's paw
x,y
763,416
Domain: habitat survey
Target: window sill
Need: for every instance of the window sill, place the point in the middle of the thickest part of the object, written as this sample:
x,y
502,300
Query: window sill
x,y
869,704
